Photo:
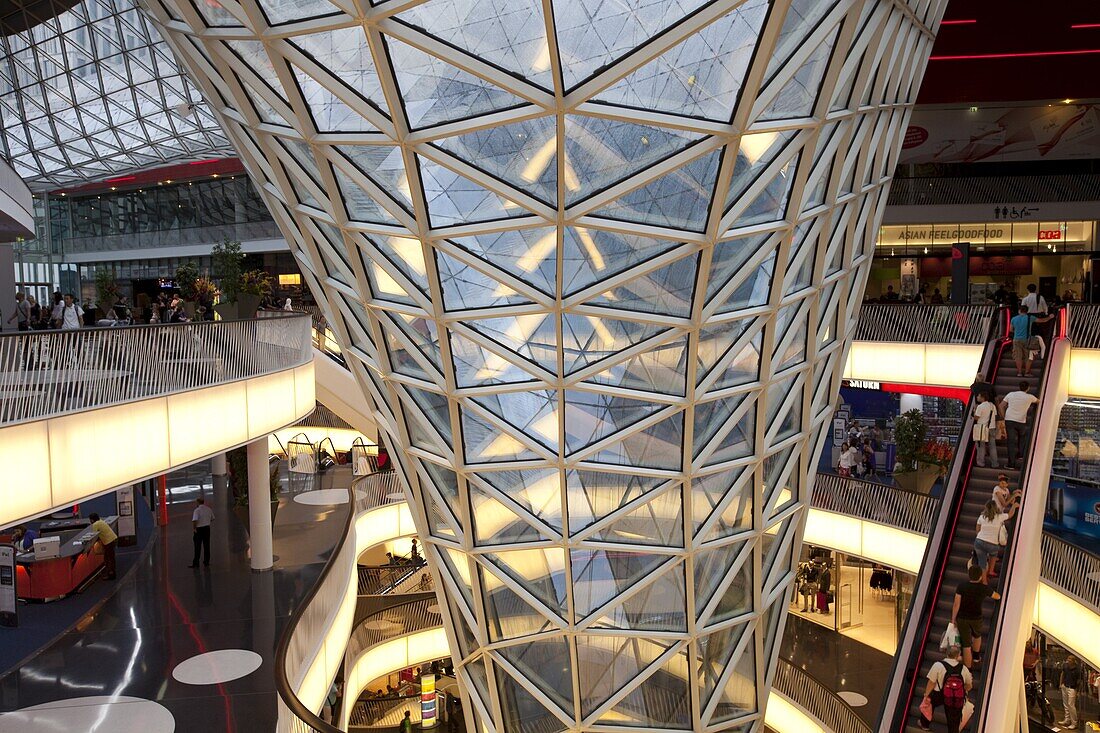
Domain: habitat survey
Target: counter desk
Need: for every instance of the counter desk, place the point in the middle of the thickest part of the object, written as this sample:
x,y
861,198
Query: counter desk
x,y
54,578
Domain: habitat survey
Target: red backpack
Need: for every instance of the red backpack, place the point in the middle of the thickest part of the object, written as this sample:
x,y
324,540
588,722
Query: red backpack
x,y
954,687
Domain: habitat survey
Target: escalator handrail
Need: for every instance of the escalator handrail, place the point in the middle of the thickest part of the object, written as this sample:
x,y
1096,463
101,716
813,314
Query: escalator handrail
x,y
895,708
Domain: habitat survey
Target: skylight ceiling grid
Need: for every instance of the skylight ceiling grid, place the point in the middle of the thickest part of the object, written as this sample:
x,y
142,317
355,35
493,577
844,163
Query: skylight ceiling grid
x,y
596,265
95,92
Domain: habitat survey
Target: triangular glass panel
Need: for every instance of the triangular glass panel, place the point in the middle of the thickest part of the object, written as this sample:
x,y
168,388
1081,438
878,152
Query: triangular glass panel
x,y
728,262
435,409
658,446
667,290
465,288
780,481
607,664
443,479
531,336
796,99
738,696
510,34
592,36
529,254
496,523
508,615
467,641
791,421
715,652
441,521
661,701
479,676
801,19
660,606
476,366
600,575
421,331
263,108
590,255
329,112
771,203
756,152
790,335
278,11
255,56
661,368
657,523
458,567
715,344
701,76
532,412
523,154
360,205
772,541
711,417
402,360
485,442
592,495
770,621
454,199
521,712
739,442
384,165
679,200
593,416
541,572
407,255
587,340
736,598
434,91
536,490
708,492
600,152
800,263
712,566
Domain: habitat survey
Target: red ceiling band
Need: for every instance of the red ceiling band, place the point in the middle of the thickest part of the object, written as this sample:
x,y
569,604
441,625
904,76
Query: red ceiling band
x,y
958,22
928,390
1019,55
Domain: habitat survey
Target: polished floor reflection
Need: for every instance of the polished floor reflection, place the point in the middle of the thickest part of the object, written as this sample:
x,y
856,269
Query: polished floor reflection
x,y
164,614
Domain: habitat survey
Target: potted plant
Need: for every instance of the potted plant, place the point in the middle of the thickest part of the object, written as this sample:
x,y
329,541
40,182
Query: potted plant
x,y
206,292
238,484
919,461
187,274
228,264
255,285
107,292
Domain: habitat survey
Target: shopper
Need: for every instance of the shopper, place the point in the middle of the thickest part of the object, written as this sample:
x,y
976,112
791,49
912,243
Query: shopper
x,y
200,526
406,723
824,591
23,538
72,315
985,430
844,467
937,297
55,309
855,454
1007,499
948,682
992,536
966,614
1036,304
1069,682
890,296
107,538
22,313
980,386
1015,407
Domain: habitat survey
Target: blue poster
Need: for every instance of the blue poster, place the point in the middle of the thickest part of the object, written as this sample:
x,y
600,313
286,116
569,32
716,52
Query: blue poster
x,y
1073,507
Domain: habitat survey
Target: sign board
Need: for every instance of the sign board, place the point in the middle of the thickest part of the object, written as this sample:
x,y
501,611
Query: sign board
x,y
840,431
8,615
863,384
127,527
427,701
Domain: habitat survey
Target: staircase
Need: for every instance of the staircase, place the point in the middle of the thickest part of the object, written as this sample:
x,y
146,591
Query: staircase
x,y
977,490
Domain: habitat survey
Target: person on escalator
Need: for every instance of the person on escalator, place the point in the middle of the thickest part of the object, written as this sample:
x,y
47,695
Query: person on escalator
x,y
992,536
966,614
985,430
1025,339
948,682
1014,408
980,386
1007,499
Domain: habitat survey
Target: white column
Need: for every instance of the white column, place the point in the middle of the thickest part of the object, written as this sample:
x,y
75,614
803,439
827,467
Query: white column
x,y
218,465
911,402
259,505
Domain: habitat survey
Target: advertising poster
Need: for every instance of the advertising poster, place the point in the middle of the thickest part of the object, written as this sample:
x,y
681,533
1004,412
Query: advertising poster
x,y
427,701
1074,506
7,586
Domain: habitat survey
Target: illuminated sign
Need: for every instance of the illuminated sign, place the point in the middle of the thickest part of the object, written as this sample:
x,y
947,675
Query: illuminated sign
x,y
1048,234
864,384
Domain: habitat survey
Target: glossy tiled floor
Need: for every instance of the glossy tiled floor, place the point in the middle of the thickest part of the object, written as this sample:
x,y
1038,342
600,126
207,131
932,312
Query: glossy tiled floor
x,y
165,613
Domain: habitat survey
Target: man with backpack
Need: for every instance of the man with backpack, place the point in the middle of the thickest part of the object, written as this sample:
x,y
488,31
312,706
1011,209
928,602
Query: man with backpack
x,y
948,682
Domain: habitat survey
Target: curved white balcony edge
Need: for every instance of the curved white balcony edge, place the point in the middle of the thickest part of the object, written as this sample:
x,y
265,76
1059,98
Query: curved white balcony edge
x,y
1084,365
1069,621
59,461
16,205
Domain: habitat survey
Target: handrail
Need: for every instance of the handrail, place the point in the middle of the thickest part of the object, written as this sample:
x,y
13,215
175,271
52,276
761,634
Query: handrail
x,y
1084,325
926,324
805,691
410,617
52,373
377,580
917,627
882,503
1072,569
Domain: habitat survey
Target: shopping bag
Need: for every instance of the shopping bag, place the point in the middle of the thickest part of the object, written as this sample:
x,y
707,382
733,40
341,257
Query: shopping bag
x,y
968,711
97,548
950,637
926,707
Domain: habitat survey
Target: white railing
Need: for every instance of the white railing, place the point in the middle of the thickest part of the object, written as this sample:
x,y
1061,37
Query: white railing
x,y
1083,325
815,698
1072,569
926,324
876,502
51,373
378,489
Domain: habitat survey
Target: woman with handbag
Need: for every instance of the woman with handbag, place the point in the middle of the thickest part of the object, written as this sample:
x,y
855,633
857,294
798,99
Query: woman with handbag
x,y
985,430
992,537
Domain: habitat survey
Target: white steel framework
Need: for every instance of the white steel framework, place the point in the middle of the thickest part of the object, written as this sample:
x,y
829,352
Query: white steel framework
x,y
597,264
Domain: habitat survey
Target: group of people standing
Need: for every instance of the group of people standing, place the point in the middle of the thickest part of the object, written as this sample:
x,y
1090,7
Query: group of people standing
x,y
63,313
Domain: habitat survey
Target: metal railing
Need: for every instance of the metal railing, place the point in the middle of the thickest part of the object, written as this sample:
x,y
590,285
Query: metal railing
x,y
172,237
50,373
384,712
805,691
404,618
925,324
1084,325
882,503
1072,569
378,489
379,580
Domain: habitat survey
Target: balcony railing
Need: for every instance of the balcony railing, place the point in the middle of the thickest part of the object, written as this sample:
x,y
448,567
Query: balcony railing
x,y
926,324
1072,569
805,691
51,373
876,502
1084,325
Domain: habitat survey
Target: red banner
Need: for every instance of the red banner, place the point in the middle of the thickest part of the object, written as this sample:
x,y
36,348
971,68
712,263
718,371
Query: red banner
x,y
995,265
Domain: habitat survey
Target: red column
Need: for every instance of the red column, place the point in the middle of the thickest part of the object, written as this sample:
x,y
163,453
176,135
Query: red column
x,y
163,500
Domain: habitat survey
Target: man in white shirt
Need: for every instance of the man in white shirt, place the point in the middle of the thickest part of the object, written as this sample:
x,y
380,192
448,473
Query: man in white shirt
x,y
949,668
72,315
1015,407
200,525
1036,304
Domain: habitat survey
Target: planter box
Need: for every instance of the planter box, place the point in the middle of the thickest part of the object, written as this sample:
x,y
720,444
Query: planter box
x,y
920,481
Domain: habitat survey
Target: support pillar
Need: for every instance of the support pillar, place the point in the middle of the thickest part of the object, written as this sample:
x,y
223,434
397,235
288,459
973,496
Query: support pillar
x,y
218,465
259,505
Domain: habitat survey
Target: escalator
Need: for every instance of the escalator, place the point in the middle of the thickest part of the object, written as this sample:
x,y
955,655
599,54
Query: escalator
x,y
946,561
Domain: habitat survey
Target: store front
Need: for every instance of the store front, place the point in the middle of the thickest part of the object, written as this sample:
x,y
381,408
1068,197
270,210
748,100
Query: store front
x,y
1055,256
852,596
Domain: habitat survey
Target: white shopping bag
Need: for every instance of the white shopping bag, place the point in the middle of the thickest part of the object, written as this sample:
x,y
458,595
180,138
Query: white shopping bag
x,y
968,712
951,636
